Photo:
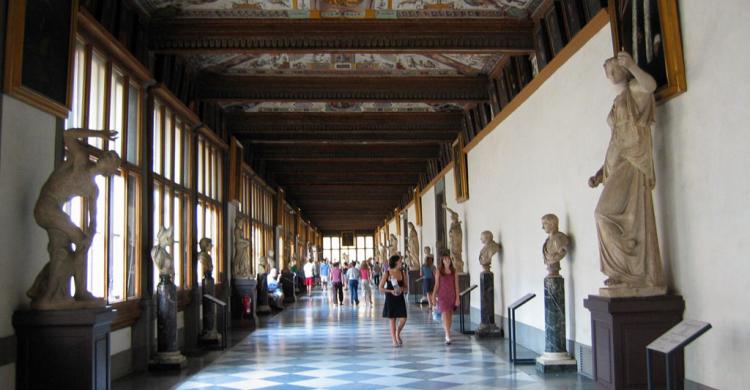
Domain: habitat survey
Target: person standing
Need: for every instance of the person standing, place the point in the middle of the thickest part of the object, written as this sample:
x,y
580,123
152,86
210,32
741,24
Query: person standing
x,y
309,270
446,293
393,285
376,270
427,272
353,276
338,293
324,269
365,275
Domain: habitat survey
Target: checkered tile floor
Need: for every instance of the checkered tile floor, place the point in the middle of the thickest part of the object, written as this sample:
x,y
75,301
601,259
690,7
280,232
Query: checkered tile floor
x,y
316,345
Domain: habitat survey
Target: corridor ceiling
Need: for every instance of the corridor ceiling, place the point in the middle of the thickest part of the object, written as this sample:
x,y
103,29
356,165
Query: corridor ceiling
x,y
346,101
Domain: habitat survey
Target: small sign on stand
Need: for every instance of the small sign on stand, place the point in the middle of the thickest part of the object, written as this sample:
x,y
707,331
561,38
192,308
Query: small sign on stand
x,y
671,342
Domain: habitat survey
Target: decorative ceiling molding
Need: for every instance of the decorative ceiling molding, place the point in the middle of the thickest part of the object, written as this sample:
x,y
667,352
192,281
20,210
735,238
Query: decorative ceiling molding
x,y
272,122
250,107
343,89
509,36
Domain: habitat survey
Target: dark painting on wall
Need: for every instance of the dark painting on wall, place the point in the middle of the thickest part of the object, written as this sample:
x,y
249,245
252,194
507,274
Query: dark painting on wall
x,y
38,52
649,30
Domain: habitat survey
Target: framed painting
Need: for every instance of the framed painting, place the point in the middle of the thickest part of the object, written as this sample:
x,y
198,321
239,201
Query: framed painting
x,y
418,205
650,31
38,53
460,172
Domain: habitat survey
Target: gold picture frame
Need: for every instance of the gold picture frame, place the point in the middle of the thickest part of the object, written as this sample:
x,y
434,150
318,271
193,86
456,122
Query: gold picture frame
x,y
655,42
418,205
460,170
39,59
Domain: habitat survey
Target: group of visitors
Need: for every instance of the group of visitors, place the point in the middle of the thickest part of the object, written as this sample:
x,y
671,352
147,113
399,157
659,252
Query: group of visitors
x,y
439,285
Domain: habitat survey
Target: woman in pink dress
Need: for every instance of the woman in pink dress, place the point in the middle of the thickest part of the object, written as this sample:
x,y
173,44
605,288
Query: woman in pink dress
x,y
446,293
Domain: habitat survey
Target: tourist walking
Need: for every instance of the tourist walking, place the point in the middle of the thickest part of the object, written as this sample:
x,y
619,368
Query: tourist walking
x,y
446,292
324,269
365,283
393,285
353,276
376,271
427,272
338,293
309,270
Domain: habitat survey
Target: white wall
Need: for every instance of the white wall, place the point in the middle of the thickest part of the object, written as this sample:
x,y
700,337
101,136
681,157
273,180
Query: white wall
x,y
538,160
428,219
392,230
28,153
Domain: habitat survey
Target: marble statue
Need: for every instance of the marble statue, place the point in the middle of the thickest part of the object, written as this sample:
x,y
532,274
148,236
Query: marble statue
x,y
383,253
427,251
271,258
490,247
241,256
455,235
626,227
345,257
556,245
392,245
413,251
263,265
159,255
204,256
75,177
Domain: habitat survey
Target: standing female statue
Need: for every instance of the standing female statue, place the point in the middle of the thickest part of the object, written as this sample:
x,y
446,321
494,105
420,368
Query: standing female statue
x,y
455,235
68,244
626,227
241,256
413,247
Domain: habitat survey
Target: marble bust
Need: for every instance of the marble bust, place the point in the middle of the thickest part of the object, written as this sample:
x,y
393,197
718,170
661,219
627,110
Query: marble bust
x,y
392,245
555,247
625,223
159,255
204,257
489,248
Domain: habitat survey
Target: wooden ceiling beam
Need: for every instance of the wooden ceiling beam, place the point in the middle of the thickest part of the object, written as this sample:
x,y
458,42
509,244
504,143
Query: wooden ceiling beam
x,y
342,89
314,168
320,137
448,35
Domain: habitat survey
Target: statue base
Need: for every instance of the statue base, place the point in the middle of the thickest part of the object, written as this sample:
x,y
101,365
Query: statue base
x,y
414,286
262,306
487,295
244,293
624,292
463,283
167,361
69,347
210,339
620,330
555,362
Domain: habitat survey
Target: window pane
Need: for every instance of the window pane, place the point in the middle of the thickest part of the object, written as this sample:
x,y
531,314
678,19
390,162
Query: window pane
x,y
360,254
132,237
134,104
335,242
360,241
97,93
200,166
96,255
368,242
178,153
117,240
157,139
116,110
186,157
75,118
168,146
176,251
369,254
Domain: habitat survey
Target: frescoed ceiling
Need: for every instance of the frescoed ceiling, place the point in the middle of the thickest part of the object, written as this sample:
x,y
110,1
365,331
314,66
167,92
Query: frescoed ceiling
x,y
343,64
357,9
253,107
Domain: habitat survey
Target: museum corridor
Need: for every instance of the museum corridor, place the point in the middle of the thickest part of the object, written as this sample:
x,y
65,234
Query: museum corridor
x,y
314,345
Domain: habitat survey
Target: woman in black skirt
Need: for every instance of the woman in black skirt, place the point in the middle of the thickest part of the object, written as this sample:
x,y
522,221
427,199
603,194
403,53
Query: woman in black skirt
x,y
394,284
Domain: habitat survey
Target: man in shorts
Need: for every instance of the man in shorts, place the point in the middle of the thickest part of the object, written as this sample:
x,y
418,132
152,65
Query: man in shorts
x,y
324,268
309,270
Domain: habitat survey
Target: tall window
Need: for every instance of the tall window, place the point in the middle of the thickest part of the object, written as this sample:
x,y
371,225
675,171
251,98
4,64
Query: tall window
x,y
210,196
256,204
171,136
105,96
362,249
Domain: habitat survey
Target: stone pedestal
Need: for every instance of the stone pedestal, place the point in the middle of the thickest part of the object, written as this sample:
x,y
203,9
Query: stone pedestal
x,y
63,348
209,335
244,300
555,357
463,283
168,356
487,328
287,285
620,330
414,286
262,306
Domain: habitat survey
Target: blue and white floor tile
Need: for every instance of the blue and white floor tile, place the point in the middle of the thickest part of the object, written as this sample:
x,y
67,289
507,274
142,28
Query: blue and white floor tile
x,y
314,345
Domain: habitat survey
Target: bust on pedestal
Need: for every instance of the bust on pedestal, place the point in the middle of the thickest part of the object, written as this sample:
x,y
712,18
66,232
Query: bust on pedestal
x,y
244,286
555,357
488,328
262,306
168,355
209,336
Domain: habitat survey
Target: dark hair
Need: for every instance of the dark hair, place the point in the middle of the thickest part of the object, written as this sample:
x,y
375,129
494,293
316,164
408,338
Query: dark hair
x,y
393,261
429,260
441,267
